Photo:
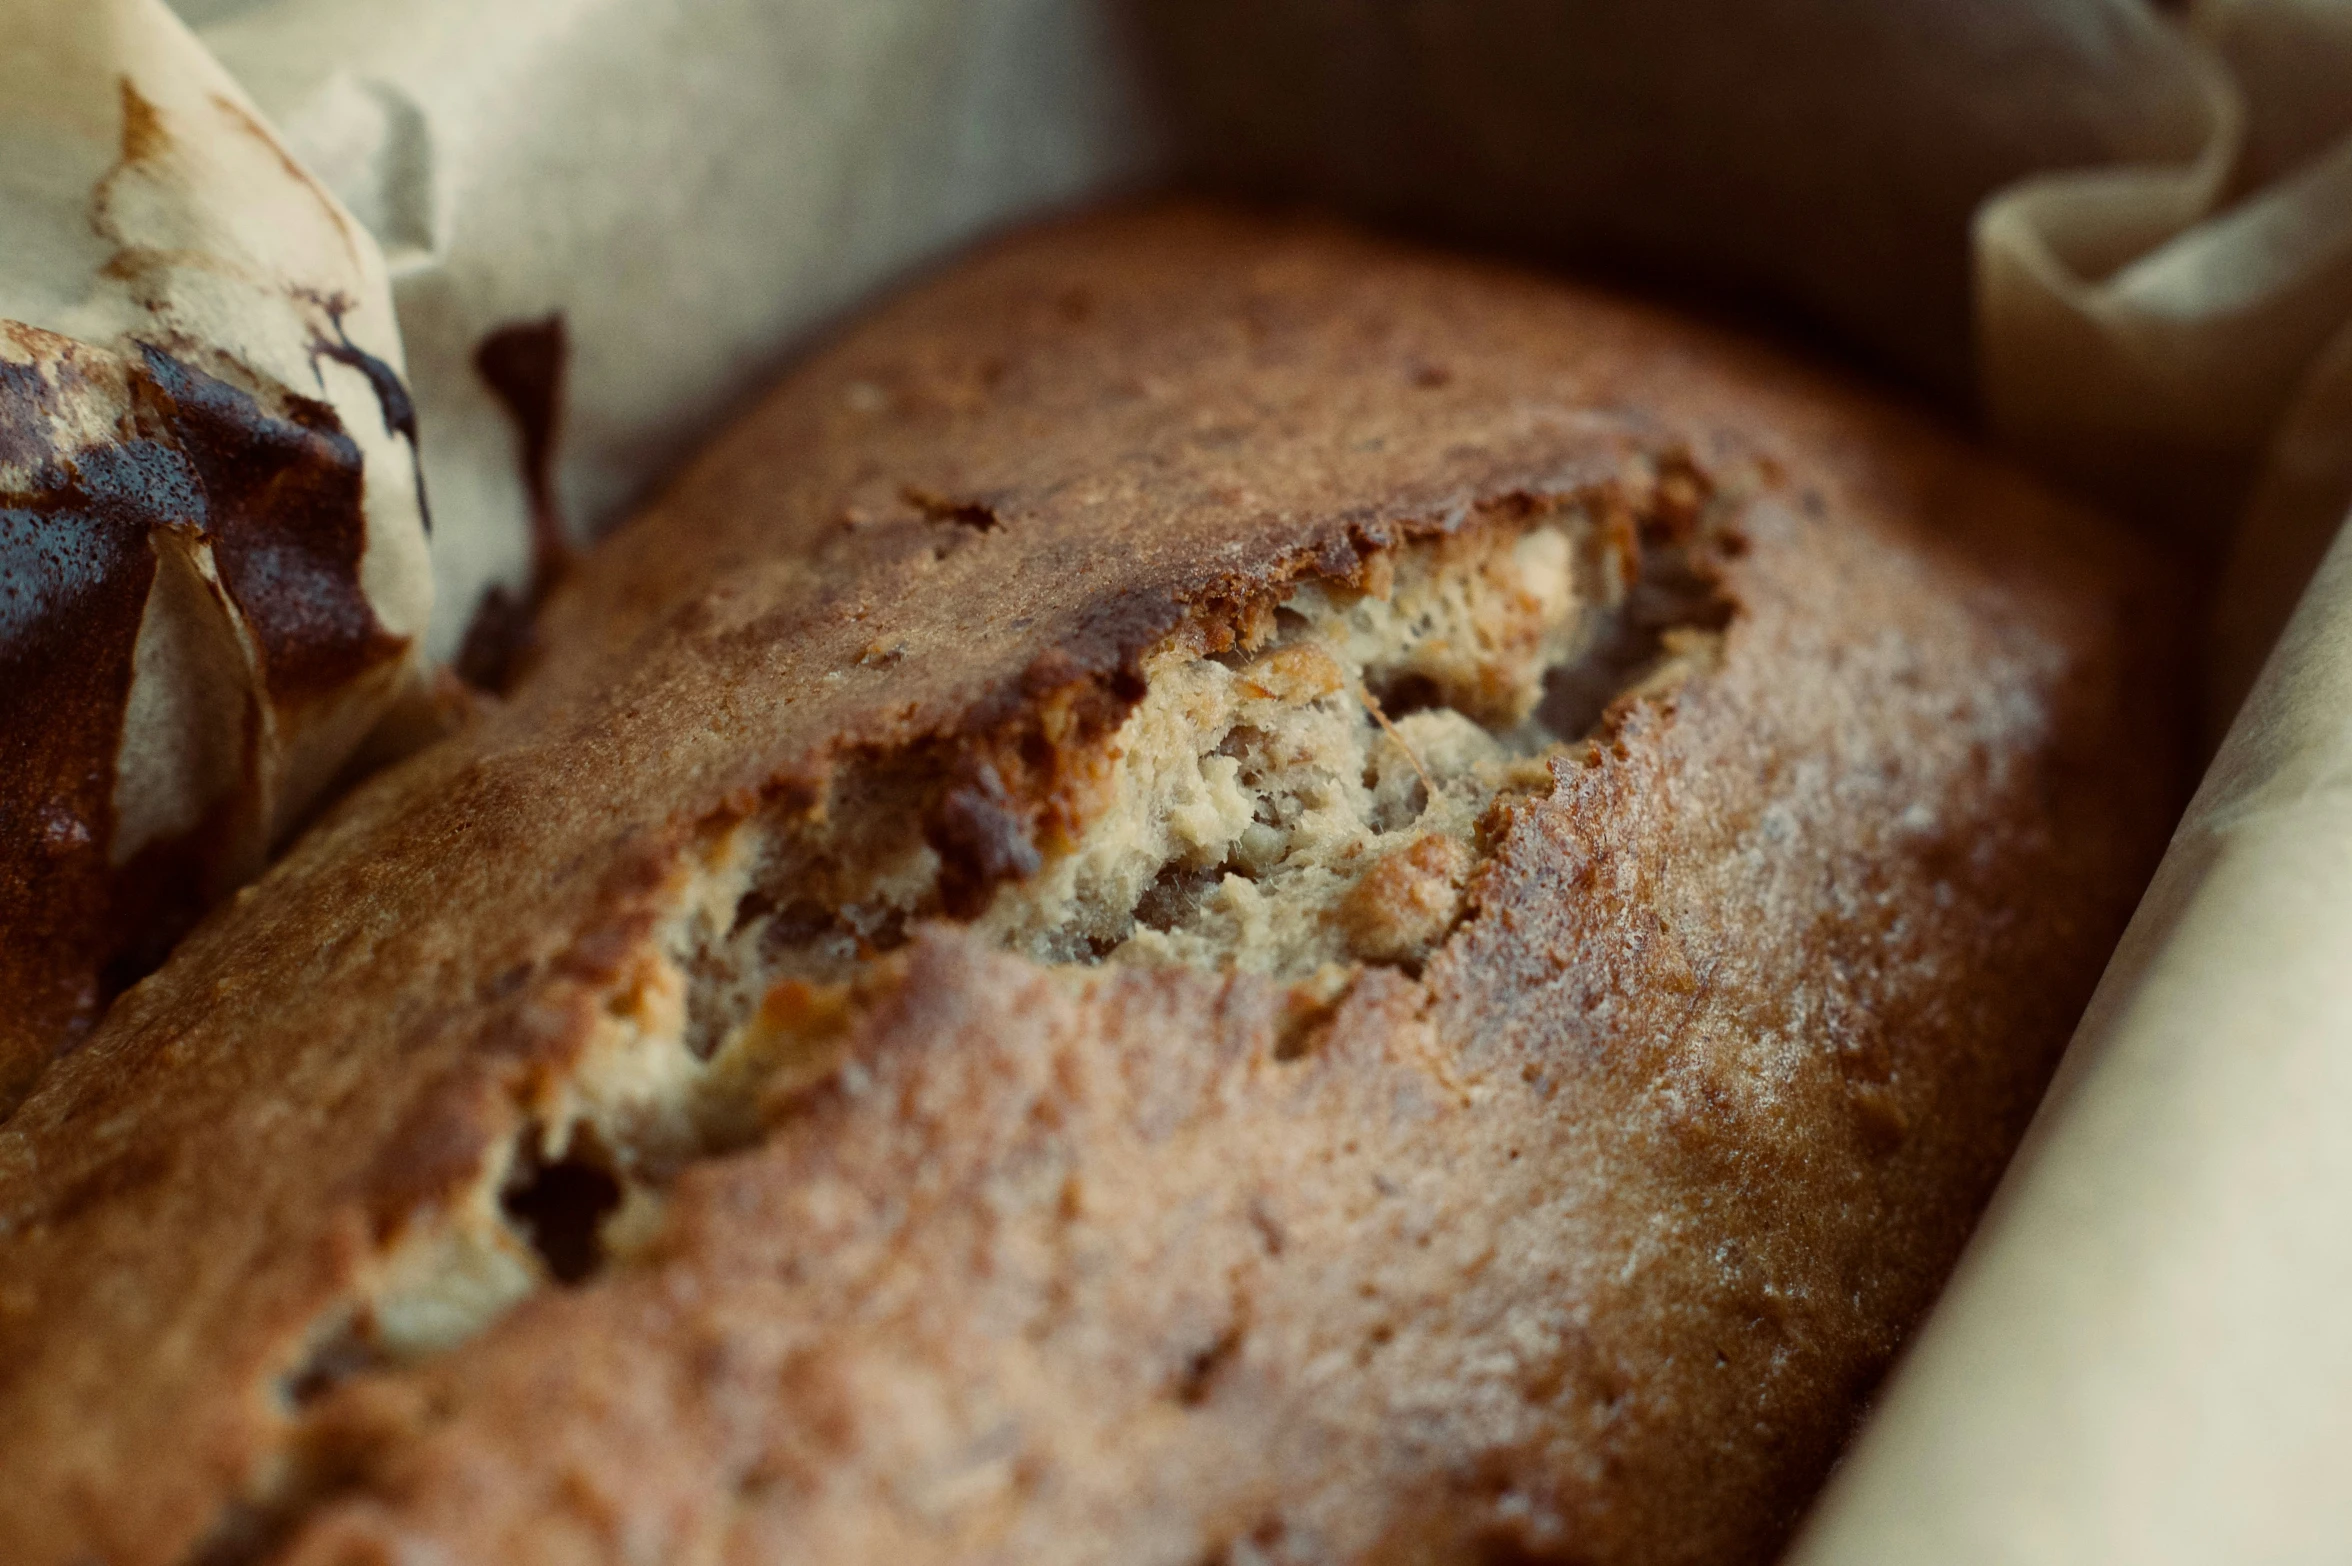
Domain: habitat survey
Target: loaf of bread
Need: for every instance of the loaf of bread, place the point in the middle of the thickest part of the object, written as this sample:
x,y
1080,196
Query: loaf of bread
x,y
1218,893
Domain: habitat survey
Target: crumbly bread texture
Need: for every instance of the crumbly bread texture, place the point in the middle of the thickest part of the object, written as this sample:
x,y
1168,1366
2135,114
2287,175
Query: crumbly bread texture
x,y
1219,894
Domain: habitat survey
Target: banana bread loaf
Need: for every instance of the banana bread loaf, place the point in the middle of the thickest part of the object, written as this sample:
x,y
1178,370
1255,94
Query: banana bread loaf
x,y
1218,893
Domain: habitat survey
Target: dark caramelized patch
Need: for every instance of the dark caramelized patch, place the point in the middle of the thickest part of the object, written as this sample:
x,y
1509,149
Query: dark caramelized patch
x,y
390,391
499,640
278,496
560,1207
523,364
984,838
282,504
75,569
977,515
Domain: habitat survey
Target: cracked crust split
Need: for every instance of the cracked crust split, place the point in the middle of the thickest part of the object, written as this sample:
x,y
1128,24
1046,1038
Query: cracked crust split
x,y
1256,812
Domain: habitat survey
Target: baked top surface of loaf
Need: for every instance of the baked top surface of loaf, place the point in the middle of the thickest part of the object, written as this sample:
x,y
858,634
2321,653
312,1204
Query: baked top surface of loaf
x,y
826,1068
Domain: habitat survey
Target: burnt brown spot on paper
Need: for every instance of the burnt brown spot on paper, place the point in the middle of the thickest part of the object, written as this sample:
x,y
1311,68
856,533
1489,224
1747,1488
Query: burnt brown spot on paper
x,y
390,390
75,568
278,495
523,365
283,506
144,140
143,135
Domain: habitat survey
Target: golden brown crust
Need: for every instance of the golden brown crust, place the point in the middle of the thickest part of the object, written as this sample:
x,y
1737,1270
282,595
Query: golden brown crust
x,y
1582,1245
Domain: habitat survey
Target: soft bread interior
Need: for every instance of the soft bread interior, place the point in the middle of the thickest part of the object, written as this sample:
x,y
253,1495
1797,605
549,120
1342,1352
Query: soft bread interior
x,y
1243,813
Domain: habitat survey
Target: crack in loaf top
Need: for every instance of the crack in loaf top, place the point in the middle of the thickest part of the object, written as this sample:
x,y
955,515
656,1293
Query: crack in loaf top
x,y
971,517
1027,473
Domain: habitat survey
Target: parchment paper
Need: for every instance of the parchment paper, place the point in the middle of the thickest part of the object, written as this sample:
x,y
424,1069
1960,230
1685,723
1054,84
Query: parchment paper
x,y
2174,336
213,573
166,215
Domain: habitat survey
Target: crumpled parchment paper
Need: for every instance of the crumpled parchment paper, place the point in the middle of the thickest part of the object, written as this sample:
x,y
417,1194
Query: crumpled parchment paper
x,y
213,568
2174,336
